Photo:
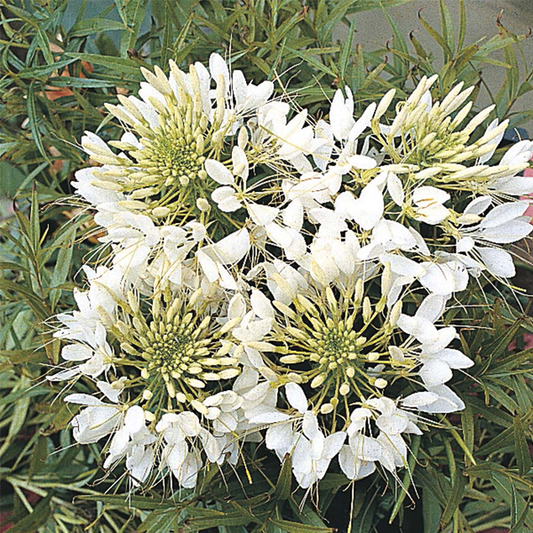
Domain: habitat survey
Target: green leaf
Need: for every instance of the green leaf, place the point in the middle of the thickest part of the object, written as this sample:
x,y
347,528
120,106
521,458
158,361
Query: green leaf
x,y
439,39
35,230
359,77
33,118
34,520
33,301
523,457
400,49
518,517
454,499
295,527
283,485
431,512
462,25
63,264
347,51
132,14
356,6
90,26
311,60
447,27
115,64
79,83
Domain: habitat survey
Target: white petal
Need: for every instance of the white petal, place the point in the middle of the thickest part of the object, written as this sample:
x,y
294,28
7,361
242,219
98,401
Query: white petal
x,y
296,397
134,419
508,232
395,188
431,194
419,399
333,443
341,114
392,424
431,307
76,352
362,162
83,399
293,215
261,305
498,262
519,152
262,214
369,207
435,373
362,123
232,248
219,172
454,358
229,204
478,206
270,417
448,401
503,213
310,427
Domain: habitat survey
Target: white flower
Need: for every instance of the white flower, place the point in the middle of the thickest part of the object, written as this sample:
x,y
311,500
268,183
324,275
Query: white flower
x,y
93,358
438,361
503,224
96,420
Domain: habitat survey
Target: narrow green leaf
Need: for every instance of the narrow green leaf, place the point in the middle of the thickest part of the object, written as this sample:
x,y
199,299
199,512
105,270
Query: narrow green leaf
x,y
33,118
400,49
347,51
132,13
35,230
437,37
359,68
115,64
419,49
33,301
313,61
462,25
502,440
523,457
447,25
90,26
431,512
295,527
518,520
454,499
44,46
283,485
80,83
34,520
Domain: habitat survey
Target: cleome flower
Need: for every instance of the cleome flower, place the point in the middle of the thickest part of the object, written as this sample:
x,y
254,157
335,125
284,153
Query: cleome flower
x,y
154,179
163,394
343,355
401,191
176,124
269,273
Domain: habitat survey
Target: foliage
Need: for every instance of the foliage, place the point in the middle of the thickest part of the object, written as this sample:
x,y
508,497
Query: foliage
x,y
54,81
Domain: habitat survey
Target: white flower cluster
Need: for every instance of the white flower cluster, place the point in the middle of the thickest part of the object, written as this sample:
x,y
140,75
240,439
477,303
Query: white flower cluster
x,y
270,274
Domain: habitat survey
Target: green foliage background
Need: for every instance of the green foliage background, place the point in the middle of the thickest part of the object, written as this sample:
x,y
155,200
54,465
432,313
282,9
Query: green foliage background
x,y
57,69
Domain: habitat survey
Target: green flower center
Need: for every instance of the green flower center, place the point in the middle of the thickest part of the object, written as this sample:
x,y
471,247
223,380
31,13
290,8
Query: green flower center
x,y
175,352
176,346
335,345
332,342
